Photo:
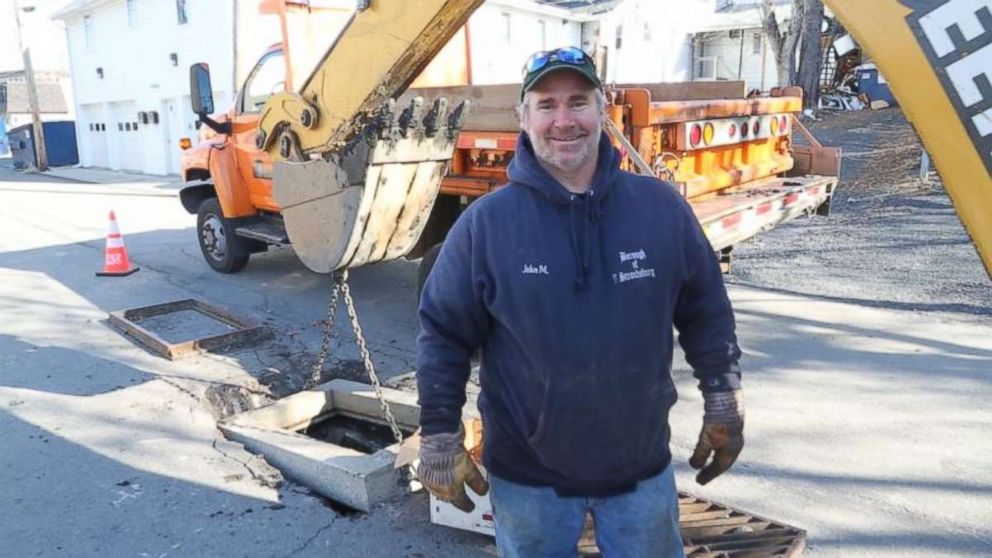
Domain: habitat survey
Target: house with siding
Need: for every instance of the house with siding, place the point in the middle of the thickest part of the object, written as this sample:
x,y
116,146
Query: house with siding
x,y
129,62
642,41
15,110
731,44
45,41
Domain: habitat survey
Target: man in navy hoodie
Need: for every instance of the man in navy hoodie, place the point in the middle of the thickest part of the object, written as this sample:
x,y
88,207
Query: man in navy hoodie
x,y
570,280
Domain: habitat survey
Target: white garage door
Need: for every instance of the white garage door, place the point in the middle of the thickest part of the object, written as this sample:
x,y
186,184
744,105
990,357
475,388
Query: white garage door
x,y
124,140
93,132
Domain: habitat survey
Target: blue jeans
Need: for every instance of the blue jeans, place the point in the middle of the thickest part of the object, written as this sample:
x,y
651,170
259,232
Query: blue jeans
x,y
534,522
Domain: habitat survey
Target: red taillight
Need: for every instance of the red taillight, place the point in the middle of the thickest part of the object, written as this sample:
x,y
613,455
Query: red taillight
x,y
783,124
732,131
695,135
744,130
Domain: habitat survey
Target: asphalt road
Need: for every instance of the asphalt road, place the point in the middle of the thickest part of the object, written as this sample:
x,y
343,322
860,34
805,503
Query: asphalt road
x,y
867,409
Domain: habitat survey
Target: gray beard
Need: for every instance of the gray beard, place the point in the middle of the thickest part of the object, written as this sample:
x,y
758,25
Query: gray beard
x,y
547,156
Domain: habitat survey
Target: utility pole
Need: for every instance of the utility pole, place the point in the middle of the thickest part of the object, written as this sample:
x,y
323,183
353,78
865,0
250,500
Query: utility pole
x,y
38,135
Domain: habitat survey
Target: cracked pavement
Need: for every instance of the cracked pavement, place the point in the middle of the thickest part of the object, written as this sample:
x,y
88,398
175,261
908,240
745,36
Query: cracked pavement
x,y
110,450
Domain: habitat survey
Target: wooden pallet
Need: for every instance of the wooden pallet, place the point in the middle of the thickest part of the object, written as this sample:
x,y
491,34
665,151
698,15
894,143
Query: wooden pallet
x,y
712,530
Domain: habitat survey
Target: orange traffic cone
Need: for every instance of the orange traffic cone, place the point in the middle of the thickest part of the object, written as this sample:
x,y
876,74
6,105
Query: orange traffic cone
x,y
115,260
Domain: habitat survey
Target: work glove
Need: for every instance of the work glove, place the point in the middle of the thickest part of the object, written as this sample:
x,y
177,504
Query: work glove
x,y
722,435
446,467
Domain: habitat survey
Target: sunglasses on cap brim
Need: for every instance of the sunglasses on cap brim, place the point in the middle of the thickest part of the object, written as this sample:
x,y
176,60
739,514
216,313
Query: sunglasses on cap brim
x,y
567,55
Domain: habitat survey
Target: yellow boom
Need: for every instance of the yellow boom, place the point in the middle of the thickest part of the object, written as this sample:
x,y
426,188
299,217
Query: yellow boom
x,y
936,56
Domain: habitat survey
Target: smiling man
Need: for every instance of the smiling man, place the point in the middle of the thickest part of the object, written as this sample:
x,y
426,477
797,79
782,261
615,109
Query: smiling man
x,y
570,280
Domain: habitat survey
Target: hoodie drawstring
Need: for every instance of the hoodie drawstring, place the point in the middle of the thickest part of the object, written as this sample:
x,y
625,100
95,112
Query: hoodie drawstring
x,y
580,271
589,219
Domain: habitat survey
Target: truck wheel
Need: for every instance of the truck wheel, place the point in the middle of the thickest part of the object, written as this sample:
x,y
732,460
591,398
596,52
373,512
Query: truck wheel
x,y
426,265
223,250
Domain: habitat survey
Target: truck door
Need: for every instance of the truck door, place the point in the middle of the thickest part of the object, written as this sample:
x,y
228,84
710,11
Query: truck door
x,y
255,166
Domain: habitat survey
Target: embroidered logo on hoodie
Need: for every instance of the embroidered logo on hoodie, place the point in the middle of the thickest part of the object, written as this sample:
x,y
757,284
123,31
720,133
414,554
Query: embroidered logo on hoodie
x,y
636,272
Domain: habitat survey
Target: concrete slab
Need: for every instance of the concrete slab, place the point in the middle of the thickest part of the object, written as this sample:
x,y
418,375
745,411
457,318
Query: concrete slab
x,y
342,474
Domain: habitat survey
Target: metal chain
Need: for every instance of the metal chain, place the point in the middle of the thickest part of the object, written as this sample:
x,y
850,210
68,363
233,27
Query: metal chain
x,y
325,344
367,358
339,284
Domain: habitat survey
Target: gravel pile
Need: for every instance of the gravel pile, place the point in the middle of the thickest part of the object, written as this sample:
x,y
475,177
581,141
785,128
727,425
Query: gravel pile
x,y
892,239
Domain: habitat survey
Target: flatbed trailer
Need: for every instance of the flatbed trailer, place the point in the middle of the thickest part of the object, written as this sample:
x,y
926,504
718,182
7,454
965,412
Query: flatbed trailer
x,y
732,157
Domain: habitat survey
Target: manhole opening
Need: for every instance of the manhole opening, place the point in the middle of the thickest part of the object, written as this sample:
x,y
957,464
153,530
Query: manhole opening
x,y
360,434
184,325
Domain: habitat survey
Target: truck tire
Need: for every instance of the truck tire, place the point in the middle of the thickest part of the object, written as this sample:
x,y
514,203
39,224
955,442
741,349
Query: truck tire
x,y
224,251
426,265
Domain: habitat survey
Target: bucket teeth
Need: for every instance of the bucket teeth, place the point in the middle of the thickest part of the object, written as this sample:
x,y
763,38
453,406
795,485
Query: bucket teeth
x,y
435,117
410,121
384,120
413,122
457,119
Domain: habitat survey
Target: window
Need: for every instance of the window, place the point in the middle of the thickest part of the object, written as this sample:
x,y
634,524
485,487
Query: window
x,y
268,77
543,28
756,49
132,16
181,15
506,26
619,36
88,30
735,33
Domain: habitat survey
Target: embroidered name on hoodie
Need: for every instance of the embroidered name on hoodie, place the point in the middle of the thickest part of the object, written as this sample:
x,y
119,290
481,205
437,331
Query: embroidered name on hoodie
x,y
635,259
535,270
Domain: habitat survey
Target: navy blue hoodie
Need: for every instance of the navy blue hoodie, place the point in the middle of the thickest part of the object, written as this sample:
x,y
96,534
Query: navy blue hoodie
x,y
572,299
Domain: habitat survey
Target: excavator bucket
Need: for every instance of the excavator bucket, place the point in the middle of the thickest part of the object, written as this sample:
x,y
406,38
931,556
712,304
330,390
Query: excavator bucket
x,y
369,201
354,180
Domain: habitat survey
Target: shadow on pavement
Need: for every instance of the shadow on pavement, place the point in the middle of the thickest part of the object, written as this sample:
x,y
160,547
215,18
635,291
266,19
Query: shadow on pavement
x,y
275,290
63,371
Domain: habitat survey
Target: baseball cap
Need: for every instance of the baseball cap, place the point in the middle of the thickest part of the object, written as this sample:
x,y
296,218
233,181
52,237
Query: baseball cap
x,y
544,62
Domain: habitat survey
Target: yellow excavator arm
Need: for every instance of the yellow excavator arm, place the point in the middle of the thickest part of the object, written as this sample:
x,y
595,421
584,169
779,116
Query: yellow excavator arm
x,y
937,57
380,52
356,176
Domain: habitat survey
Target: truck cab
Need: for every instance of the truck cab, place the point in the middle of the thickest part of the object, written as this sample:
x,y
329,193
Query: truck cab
x,y
229,179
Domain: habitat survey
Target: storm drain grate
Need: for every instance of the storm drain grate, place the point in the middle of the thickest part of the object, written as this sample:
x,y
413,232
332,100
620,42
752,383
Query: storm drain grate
x,y
712,530
183,327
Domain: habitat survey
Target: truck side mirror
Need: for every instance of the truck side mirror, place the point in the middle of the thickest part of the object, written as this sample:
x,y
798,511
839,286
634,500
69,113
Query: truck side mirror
x,y
201,94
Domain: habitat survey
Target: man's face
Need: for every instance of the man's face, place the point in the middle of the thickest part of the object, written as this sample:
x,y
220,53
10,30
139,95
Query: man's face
x,y
563,121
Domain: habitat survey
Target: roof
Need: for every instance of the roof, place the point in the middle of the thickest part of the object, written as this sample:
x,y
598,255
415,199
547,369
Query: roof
x,y
14,98
742,14
77,7
576,10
